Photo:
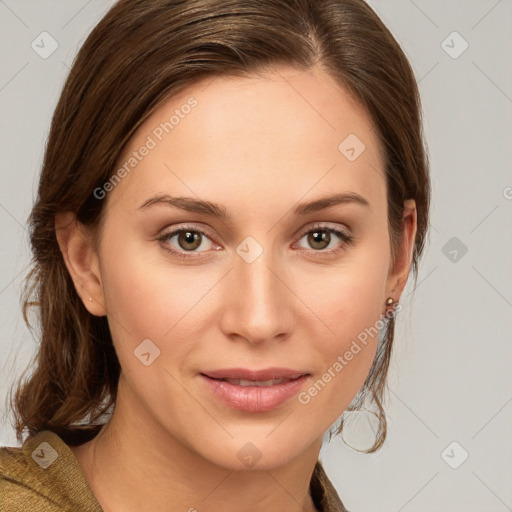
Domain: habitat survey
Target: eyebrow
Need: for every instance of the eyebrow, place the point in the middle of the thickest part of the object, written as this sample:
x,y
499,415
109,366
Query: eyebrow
x,y
191,204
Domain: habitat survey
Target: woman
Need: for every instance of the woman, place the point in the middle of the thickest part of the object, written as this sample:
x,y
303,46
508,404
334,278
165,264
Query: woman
x,y
232,198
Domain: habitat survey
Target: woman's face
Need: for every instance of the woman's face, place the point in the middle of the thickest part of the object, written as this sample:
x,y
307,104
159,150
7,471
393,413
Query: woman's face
x,y
255,283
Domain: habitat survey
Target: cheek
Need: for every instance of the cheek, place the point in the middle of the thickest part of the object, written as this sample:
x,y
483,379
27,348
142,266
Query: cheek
x,y
346,359
147,298
347,332
349,298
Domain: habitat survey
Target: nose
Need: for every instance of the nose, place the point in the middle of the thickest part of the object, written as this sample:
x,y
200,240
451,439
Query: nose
x,y
258,305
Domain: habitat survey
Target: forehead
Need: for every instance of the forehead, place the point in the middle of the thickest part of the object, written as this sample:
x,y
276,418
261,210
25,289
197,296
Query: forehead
x,y
262,135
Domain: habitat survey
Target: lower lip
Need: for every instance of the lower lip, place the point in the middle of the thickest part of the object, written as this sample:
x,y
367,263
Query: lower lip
x,y
254,398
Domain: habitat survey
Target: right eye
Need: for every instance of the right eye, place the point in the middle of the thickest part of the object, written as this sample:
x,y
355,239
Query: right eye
x,y
188,239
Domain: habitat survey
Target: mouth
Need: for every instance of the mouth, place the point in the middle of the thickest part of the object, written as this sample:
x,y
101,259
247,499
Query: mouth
x,y
263,375
254,390
259,383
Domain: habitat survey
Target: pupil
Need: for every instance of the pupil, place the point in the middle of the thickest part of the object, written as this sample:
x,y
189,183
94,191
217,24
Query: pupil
x,y
190,238
319,237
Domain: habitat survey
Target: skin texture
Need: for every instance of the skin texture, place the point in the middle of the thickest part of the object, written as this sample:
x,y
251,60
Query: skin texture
x,y
258,146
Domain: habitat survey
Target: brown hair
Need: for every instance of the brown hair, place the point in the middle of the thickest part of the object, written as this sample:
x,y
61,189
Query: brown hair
x,y
141,53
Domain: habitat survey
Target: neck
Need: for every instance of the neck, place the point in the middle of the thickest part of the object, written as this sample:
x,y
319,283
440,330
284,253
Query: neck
x,y
134,464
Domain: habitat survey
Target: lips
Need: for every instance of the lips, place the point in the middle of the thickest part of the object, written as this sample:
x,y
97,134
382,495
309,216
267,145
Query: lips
x,y
260,383
265,374
254,390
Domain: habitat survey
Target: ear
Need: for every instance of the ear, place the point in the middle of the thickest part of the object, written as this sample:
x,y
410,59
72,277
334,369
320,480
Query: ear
x,y
81,261
400,268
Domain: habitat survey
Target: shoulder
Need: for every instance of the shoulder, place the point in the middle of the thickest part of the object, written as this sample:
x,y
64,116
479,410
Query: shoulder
x,y
43,475
21,482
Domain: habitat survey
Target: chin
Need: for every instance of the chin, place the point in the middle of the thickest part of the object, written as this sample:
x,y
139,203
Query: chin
x,y
256,452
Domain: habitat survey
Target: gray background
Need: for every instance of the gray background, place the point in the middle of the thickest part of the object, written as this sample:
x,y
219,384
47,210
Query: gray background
x,y
450,379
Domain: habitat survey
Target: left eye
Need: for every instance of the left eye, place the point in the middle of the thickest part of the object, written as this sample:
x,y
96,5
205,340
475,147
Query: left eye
x,y
319,235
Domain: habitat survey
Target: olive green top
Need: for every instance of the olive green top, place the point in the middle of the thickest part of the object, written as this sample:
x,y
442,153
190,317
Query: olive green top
x,y
45,476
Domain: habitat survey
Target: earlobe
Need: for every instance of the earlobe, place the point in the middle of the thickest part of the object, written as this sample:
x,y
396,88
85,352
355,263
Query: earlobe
x,y
397,278
81,261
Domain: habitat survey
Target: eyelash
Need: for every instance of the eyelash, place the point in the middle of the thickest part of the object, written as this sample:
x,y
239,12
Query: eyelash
x,y
346,239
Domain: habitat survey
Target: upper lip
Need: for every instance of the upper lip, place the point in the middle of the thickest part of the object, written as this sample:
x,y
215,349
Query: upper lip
x,y
255,375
